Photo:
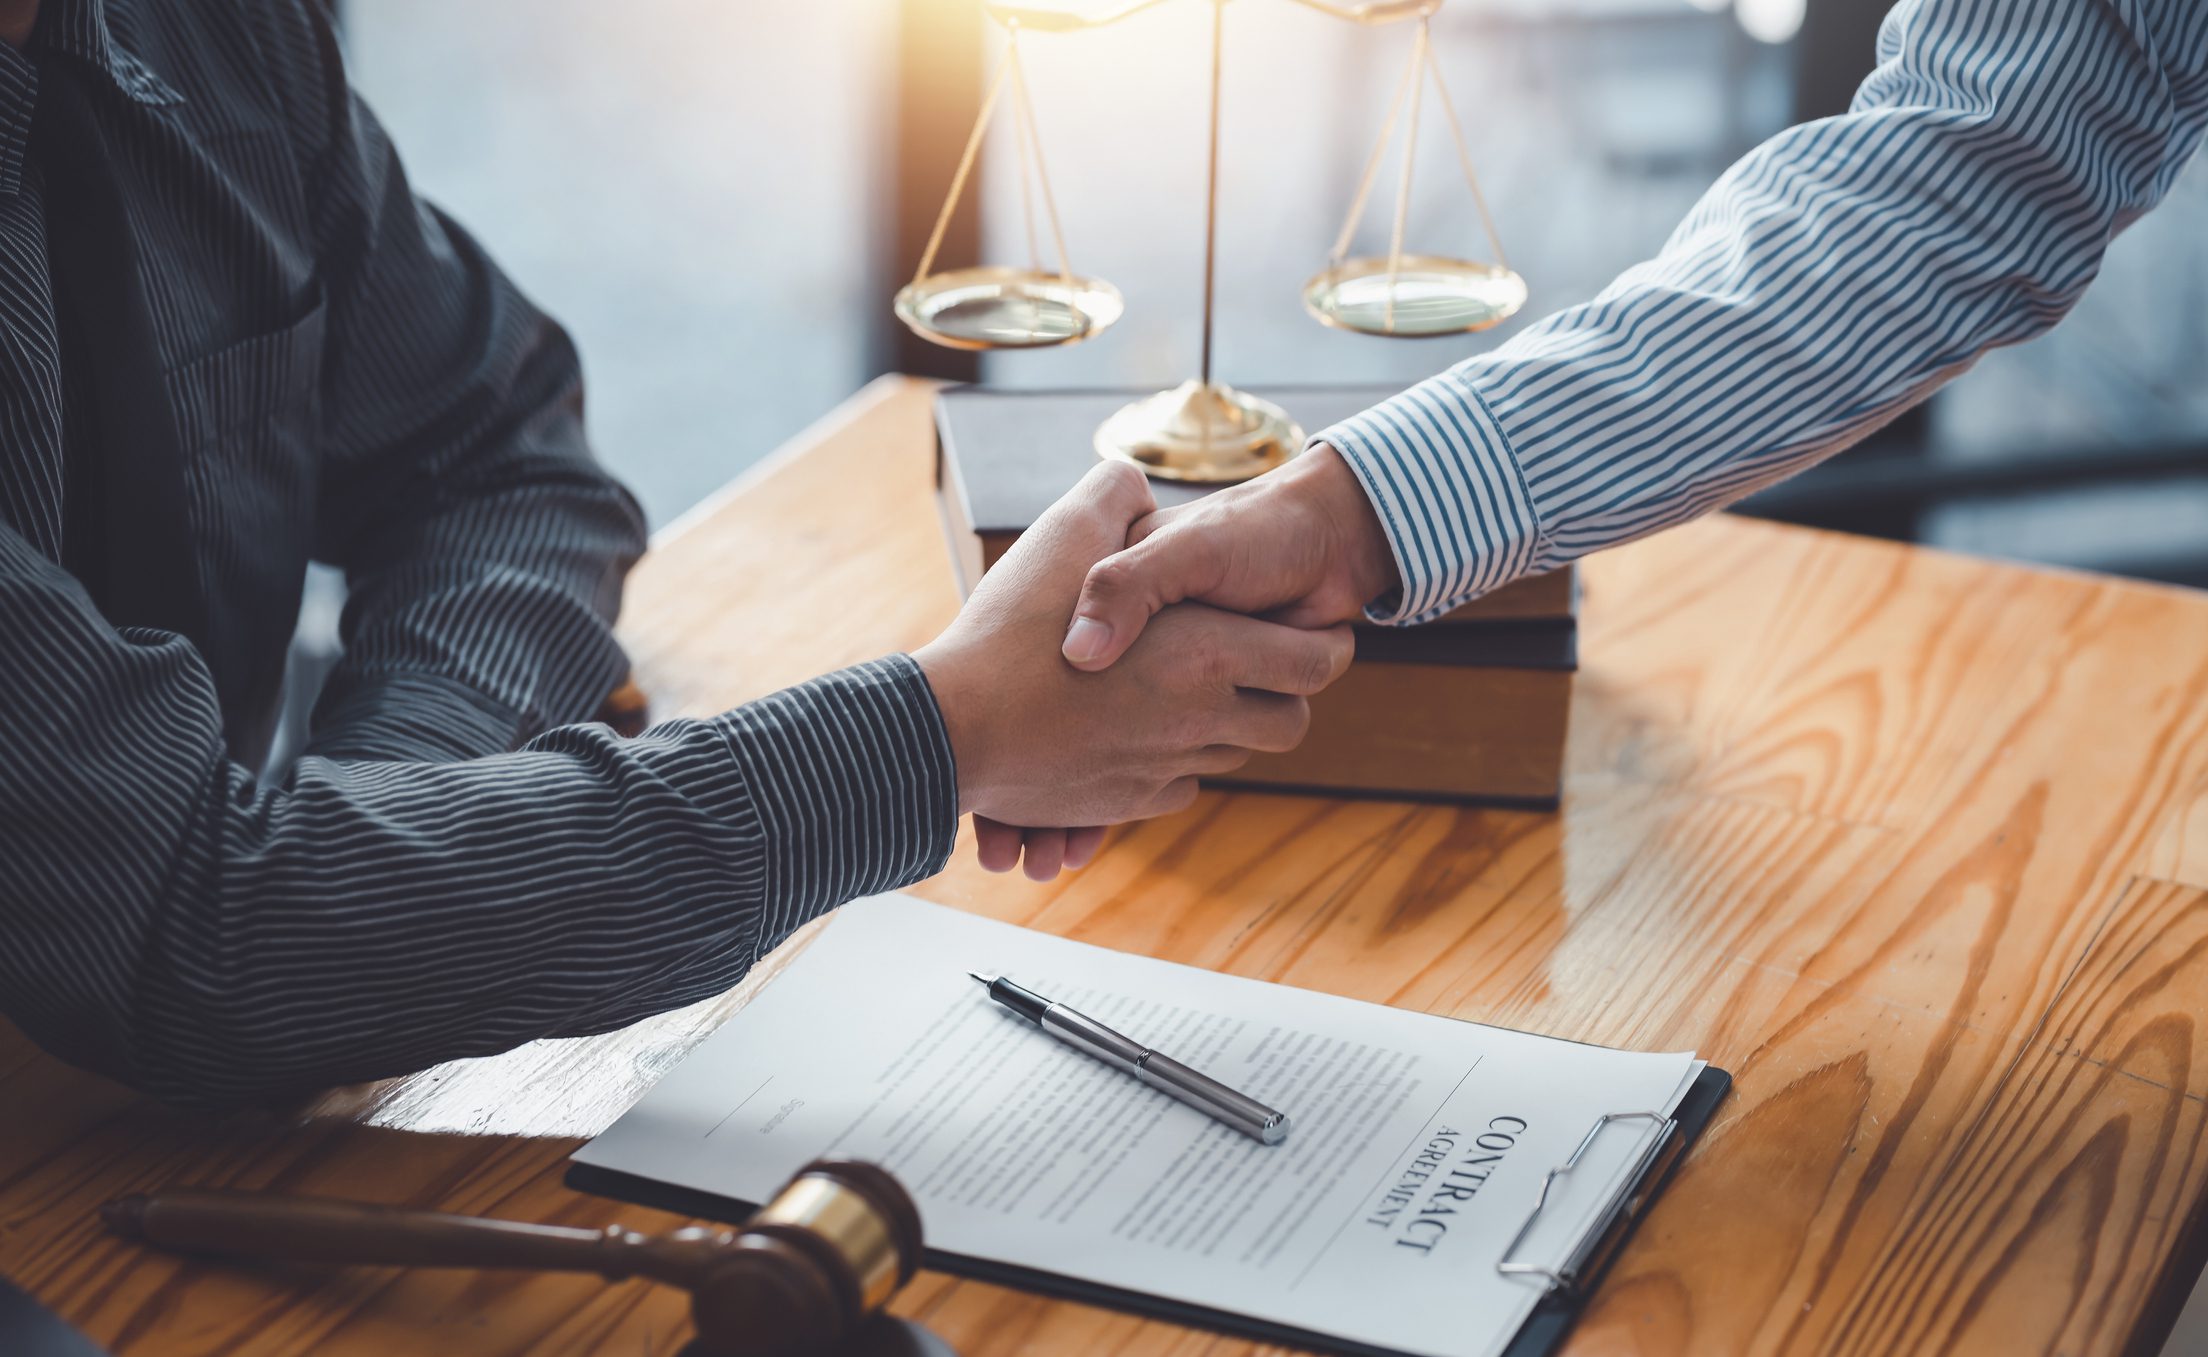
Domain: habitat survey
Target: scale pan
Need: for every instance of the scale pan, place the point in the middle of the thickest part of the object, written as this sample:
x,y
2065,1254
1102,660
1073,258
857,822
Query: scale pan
x,y
1006,308
1433,296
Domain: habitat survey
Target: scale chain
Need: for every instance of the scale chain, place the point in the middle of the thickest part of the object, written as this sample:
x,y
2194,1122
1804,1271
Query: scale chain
x,y
1034,142
1464,156
1419,50
958,179
1025,131
1403,87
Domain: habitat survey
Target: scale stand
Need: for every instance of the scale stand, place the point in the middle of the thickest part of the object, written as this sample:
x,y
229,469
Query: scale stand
x,y
1203,430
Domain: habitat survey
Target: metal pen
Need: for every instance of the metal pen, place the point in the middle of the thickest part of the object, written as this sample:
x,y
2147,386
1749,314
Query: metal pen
x,y
1161,1072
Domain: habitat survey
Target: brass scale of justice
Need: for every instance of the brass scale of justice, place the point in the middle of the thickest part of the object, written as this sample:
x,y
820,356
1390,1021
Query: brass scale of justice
x,y
1203,430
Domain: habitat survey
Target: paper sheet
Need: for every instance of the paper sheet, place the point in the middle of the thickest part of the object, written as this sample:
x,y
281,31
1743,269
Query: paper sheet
x,y
1416,1150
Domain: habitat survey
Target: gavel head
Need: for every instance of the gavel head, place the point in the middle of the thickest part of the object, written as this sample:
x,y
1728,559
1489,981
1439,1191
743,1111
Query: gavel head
x,y
833,1246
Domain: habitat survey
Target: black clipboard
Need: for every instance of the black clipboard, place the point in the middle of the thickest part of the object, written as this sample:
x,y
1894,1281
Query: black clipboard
x,y
1541,1334
28,1329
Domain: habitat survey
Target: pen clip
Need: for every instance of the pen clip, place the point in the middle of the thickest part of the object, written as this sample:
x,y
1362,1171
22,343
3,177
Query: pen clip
x,y
1628,1204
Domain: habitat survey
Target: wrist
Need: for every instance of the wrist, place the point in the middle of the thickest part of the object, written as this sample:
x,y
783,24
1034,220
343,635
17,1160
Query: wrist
x,y
962,707
1339,498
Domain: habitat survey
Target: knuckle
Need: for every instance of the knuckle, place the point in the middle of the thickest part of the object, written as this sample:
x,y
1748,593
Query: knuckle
x,y
1123,487
1150,523
1186,730
1127,794
1114,577
1316,669
1205,659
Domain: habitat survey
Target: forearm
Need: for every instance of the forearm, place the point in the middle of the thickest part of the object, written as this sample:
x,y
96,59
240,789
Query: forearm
x,y
174,925
1833,277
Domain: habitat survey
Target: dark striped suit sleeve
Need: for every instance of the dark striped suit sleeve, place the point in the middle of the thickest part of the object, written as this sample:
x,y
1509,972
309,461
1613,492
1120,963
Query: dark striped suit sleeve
x,y
483,547
1837,274
173,923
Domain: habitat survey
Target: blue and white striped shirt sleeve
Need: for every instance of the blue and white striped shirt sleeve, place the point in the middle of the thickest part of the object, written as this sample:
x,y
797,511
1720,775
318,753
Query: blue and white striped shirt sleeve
x,y
1833,277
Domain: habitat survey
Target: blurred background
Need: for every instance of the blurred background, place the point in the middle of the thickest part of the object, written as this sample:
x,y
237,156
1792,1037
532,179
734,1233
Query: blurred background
x,y
719,200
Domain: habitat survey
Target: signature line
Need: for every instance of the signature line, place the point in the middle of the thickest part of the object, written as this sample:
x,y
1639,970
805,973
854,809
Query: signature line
x,y
738,1107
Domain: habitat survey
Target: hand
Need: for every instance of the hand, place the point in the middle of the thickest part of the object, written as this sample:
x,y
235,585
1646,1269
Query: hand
x,y
1041,744
1000,846
1300,545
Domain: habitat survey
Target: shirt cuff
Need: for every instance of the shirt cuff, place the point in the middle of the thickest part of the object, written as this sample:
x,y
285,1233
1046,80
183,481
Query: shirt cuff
x,y
852,779
1441,474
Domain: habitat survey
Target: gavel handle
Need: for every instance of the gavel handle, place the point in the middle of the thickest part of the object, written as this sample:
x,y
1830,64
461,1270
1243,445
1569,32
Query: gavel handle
x,y
244,1224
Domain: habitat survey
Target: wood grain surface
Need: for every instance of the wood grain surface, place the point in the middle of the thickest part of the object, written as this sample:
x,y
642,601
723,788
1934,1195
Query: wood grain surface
x,y
1915,845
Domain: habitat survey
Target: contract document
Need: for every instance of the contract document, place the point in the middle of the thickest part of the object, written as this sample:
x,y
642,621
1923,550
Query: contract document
x,y
1417,1150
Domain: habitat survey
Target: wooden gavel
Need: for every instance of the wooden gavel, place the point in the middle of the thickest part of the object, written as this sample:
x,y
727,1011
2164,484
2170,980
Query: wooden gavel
x,y
833,1246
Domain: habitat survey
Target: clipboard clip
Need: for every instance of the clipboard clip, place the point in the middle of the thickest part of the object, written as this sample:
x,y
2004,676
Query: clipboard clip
x,y
1603,1237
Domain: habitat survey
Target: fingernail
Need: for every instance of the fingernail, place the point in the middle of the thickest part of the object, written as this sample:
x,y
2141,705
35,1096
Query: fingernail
x,y
1086,639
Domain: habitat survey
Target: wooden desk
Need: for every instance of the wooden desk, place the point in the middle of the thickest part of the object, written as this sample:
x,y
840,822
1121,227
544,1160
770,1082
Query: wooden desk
x,y
1917,846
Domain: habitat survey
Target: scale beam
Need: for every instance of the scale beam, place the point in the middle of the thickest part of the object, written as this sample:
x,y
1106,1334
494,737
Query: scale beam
x,y
1373,15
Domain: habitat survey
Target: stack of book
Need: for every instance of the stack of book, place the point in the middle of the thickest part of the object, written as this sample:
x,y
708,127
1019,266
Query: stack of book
x,y
1471,707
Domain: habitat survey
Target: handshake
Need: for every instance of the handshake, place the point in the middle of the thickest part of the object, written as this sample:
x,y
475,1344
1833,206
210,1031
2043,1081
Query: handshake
x,y
1119,652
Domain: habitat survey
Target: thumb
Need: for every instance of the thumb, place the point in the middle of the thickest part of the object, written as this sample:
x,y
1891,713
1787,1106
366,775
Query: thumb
x,y
1126,589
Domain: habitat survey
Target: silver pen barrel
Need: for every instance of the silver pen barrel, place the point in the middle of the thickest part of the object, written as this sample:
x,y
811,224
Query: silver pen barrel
x,y
1206,1094
1165,1074
1091,1037
1123,1053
